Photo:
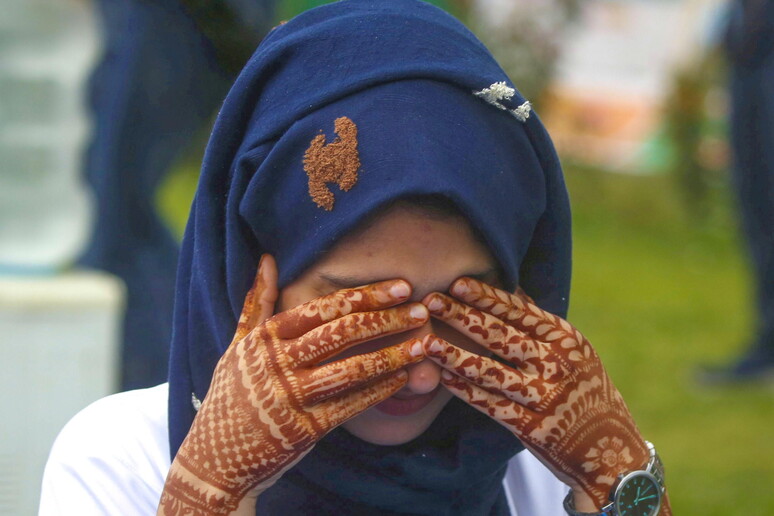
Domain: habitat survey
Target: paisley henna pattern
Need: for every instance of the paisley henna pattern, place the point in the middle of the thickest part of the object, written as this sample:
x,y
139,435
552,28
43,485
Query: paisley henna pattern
x,y
554,395
269,401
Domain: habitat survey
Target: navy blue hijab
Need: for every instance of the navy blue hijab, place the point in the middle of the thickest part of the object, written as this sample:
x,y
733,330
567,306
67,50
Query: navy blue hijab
x,y
434,115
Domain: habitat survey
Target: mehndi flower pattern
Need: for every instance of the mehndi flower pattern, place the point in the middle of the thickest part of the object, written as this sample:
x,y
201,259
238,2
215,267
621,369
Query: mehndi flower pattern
x,y
548,385
610,453
270,399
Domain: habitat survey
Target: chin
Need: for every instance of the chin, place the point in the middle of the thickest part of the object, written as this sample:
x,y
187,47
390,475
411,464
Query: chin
x,y
378,427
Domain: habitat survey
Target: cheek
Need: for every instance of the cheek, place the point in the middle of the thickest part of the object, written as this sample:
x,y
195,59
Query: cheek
x,y
292,297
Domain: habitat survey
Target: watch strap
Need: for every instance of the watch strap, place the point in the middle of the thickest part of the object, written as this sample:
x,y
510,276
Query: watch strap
x,y
569,507
655,466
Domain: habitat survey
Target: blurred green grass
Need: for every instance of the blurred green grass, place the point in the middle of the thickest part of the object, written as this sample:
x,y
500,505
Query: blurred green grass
x,y
657,296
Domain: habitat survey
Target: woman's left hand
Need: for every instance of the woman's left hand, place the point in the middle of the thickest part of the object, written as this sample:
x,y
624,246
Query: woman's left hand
x,y
553,393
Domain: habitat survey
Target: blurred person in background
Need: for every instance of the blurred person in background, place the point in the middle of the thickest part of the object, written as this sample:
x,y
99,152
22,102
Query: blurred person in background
x,y
166,66
750,49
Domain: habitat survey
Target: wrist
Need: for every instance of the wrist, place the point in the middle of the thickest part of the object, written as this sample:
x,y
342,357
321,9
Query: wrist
x,y
640,491
247,505
585,503
185,492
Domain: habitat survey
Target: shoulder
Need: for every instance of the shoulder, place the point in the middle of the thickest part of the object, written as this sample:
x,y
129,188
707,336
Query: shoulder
x,y
117,427
111,456
532,489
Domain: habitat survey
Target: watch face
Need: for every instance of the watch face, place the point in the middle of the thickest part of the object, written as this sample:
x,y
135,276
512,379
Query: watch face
x,y
638,494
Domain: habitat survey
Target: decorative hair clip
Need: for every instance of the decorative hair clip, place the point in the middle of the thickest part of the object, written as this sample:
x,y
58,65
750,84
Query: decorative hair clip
x,y
335,162
499,91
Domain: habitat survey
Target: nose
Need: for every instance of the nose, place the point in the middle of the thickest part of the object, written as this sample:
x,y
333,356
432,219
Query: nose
x,y
424,376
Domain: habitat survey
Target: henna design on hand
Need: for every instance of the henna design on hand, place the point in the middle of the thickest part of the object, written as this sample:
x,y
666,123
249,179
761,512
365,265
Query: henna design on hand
x,y
270,401
554,394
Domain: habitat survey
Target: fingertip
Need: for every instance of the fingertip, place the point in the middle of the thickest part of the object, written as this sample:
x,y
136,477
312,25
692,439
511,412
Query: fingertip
x,y
267,268
415,348
400,290
266,288
401,376
452,383
460,287
395,382
432,345
419,312
433,302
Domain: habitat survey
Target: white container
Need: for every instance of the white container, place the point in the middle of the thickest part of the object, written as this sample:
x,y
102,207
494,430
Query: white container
x,y
47,50
59,346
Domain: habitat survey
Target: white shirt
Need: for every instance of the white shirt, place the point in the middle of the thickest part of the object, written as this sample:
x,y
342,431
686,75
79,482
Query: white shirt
x,y
113,458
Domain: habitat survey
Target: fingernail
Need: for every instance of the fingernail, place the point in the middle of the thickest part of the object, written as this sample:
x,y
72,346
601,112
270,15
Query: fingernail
x,y
446,375
435,305
400,290
435,347
416,349
402,374
460,289
418,312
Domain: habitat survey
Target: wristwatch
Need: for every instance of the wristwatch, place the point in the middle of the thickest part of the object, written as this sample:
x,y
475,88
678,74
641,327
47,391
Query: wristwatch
x,y
637,493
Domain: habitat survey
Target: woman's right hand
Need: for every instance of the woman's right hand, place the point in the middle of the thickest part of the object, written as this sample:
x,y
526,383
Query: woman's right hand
x,y
270,400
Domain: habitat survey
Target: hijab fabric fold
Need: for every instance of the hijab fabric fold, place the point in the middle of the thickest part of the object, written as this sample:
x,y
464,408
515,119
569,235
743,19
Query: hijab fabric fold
x,y
405,75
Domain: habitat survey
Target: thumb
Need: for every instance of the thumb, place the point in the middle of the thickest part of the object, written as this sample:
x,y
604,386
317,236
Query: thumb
x,y
260,299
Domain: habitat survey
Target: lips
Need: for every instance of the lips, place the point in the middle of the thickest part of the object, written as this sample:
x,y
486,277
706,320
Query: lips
x,y
400,405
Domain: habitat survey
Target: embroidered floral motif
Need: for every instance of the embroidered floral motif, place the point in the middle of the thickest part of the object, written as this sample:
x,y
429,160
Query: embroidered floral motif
x,y
197,404
335,162
495,93
500,91
522,112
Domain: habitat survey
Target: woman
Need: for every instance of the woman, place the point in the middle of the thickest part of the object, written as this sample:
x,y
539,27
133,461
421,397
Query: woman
x,y
383,362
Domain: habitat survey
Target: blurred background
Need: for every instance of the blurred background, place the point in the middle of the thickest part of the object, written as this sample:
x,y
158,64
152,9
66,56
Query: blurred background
x,y
105,107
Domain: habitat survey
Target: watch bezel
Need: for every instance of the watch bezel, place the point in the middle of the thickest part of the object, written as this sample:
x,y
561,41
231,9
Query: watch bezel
x,y
622,484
